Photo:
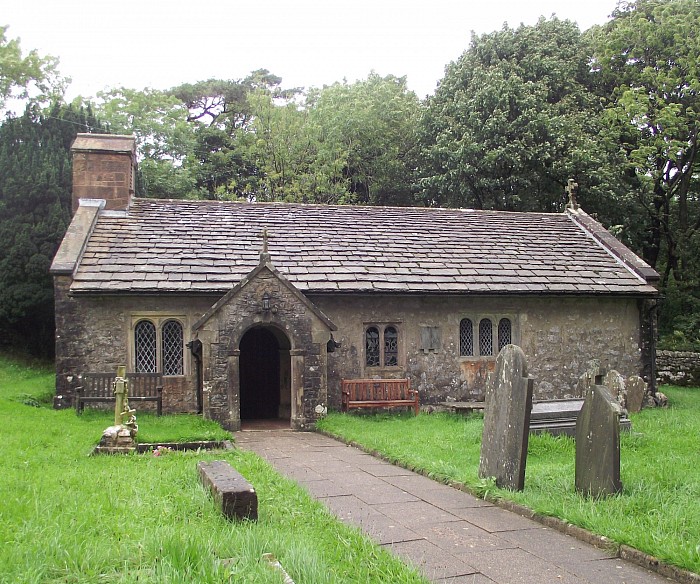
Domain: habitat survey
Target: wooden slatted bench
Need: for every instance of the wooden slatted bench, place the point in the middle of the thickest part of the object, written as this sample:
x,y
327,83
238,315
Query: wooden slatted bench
x,y
99,388
231,491
378,393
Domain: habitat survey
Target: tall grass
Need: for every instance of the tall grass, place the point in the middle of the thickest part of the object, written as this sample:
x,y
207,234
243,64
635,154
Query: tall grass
x,y
658,511
67,517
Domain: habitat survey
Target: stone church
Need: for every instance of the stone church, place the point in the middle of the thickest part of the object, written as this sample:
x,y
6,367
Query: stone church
x,y
259,310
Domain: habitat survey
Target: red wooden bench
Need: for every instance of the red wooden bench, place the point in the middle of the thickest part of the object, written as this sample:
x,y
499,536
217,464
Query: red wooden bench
x,y
378,393
99,387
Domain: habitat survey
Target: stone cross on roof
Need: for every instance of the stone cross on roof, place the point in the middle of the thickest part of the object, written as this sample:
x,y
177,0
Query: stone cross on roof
x,y
571,189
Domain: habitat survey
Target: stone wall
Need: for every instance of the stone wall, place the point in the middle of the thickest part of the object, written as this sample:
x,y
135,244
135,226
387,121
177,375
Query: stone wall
x,y
93,335
559,337
678,368
100,175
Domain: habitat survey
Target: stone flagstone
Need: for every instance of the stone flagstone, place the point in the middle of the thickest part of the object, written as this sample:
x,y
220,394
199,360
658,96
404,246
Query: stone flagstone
x,y
598,444
507,421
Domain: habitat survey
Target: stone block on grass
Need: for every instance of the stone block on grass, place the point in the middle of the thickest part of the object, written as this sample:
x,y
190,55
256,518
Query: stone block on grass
x,y
234,495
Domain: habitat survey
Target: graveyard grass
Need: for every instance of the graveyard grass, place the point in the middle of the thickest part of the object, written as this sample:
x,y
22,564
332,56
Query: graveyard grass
x,y
657,512
67,517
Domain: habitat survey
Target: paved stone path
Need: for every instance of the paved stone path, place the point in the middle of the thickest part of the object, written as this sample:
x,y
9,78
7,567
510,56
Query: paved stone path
x,y
449,535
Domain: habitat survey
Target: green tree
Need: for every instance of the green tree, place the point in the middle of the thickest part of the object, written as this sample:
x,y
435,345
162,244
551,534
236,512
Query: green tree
x,y
164,136
648,61
35,209
367,130
22,75
222,162
514,119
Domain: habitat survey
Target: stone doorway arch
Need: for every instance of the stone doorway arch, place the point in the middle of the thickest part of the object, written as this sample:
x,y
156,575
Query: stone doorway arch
x,y
264,372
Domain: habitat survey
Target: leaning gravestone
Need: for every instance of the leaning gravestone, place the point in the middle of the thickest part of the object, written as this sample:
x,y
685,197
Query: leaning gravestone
x,y
507,421
617,387
636,391
598,444
593,374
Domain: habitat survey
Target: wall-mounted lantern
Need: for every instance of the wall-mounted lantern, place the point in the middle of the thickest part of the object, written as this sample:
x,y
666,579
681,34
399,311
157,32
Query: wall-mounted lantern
x,y
266,304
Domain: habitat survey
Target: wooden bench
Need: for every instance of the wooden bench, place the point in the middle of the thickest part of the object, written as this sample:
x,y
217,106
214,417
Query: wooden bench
x,y
378,393
99,387
231,491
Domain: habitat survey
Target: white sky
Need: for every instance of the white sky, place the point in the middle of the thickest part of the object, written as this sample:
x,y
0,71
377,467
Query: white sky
x,y
162,43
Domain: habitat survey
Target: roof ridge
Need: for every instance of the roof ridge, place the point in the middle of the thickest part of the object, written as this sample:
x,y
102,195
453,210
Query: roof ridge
x,y
146,200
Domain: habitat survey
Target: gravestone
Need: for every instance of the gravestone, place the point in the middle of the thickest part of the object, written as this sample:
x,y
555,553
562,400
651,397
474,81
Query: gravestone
x,y
617,387
636,391
593,374
598,444
507,421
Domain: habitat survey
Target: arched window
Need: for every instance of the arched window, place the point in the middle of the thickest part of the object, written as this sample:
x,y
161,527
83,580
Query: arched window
x,y
504,333
372,347
391,347
145,347
172,347
466,338
381,346
485,337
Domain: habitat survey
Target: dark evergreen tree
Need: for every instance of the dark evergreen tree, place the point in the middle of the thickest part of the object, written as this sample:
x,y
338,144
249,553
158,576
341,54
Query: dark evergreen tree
x,y
35,209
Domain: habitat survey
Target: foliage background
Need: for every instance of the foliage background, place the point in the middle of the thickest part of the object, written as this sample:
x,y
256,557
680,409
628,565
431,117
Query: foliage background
x,y
520,112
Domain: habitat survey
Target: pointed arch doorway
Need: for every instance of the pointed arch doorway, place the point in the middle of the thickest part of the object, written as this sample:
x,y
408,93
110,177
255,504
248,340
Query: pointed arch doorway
x,y
265,377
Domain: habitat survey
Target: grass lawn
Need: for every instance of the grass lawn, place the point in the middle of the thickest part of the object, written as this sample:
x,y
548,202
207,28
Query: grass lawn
x,y
67,517
658,511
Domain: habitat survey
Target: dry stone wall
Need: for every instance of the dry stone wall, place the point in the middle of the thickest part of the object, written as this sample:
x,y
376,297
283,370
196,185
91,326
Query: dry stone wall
x,y
678,368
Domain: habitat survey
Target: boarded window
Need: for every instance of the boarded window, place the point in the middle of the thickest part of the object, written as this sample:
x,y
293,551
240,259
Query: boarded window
x,y
430,338
145,346
485,337
504,333
172,348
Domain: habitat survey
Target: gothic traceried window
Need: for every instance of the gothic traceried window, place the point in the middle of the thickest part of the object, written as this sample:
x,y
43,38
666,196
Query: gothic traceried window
x,y
172,348
372,346
485,337
466,337
381,346
145,347
391,347
504,333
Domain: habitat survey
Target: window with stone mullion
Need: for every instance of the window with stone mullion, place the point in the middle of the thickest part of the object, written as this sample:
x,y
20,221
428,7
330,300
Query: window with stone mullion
x,y
172,347
145,347
391,347
466,338
485,337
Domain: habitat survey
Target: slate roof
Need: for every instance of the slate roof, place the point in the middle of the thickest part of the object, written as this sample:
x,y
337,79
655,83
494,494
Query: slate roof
x,y
208,247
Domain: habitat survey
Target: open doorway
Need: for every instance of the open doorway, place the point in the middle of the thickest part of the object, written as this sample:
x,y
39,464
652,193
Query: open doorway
x,y
265,376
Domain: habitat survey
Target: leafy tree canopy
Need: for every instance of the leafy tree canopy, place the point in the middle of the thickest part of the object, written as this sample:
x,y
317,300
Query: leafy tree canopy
x,y
22,75
35,208
648,61
512,120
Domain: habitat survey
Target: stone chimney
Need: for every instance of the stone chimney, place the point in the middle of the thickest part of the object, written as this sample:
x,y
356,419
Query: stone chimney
x,y
104,167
